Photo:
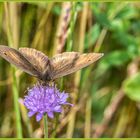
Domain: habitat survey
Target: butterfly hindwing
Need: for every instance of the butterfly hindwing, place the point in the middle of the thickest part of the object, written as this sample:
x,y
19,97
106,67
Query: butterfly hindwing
x,y
69,62
36,58
16,58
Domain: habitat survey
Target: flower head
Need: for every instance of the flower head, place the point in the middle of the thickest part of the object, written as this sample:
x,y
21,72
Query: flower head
x,y
44,99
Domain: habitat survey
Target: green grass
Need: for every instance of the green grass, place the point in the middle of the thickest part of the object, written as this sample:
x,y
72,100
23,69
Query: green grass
x,y
104,94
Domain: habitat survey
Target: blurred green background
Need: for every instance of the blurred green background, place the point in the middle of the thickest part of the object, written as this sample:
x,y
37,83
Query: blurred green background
x,y
106,95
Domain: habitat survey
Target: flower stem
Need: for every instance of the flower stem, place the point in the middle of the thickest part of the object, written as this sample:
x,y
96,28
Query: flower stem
x,y
45,126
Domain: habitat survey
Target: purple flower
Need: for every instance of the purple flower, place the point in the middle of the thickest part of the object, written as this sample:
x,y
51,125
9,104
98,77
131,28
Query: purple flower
x,y
45,99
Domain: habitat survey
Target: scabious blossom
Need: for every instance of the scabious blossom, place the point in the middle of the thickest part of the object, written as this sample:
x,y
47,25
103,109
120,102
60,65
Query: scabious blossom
x,y
45,99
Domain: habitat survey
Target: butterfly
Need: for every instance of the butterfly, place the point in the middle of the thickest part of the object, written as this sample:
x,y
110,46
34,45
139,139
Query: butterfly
x,y
39,65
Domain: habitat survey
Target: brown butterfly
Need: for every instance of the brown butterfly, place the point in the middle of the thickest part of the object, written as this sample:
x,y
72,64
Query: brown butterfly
x,y
39,65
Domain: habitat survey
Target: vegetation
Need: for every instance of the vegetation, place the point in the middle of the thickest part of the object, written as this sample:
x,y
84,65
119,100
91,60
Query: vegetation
x,y
106,95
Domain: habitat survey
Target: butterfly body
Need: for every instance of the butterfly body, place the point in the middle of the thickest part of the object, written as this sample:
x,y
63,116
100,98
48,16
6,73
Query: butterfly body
x,y
47,69
46,75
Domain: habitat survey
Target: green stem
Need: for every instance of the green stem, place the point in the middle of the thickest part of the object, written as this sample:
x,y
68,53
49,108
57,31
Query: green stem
x,y
45,126
71,28
16,105
14,84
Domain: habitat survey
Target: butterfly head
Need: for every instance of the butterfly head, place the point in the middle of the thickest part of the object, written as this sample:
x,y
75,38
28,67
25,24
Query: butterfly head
x,y
46,78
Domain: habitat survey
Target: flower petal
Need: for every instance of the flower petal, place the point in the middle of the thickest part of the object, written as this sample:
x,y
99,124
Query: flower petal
x,y
58,109
21,101
39,117
31,113
50,114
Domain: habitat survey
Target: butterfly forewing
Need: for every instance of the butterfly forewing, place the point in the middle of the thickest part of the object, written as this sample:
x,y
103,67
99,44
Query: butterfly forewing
x,y
36,58
15,57
69,62
62,62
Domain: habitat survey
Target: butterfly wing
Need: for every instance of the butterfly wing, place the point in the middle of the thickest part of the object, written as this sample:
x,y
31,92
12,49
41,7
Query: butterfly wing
x,y
15,57
69,62
36,58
